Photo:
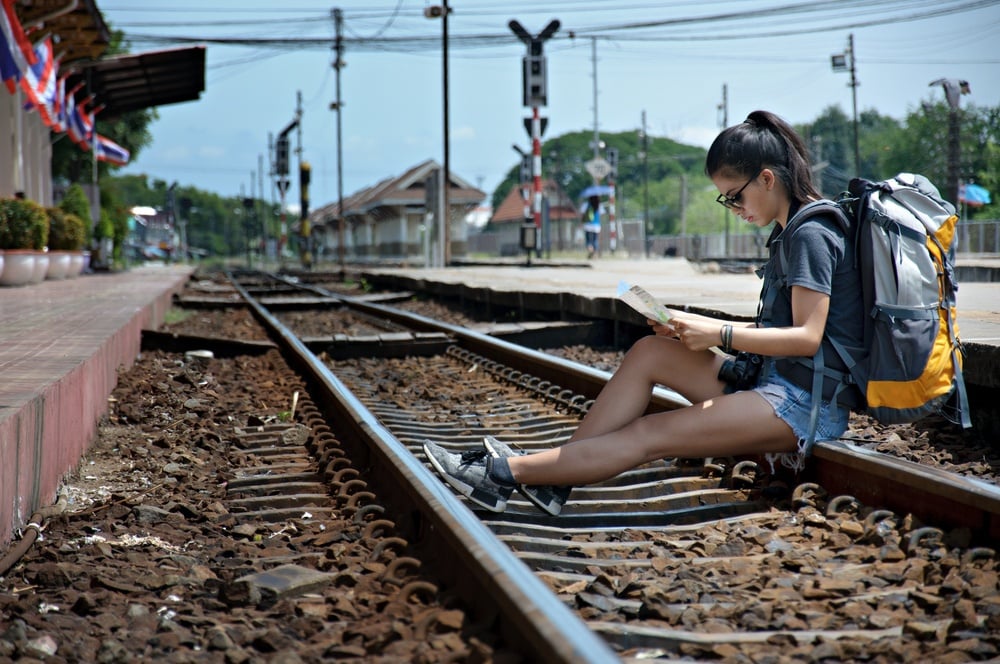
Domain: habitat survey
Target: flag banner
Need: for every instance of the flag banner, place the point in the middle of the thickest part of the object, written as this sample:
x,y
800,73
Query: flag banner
x,y
111,152
80,125
39,82
67,104
58,101
16,54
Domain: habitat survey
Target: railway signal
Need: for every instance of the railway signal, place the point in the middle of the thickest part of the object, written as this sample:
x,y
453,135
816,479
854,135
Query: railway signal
x,y
534,94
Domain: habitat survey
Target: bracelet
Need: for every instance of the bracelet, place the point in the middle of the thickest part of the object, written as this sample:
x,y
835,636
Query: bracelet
x,y
726,334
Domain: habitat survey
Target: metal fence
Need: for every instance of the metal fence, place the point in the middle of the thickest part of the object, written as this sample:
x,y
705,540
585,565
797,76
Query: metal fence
x,y
974,237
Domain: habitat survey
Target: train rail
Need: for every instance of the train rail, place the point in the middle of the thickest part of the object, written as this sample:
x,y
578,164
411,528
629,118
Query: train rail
x,y
675,558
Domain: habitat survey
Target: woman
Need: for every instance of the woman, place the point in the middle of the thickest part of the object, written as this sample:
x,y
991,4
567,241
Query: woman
x,y
761,169
592,225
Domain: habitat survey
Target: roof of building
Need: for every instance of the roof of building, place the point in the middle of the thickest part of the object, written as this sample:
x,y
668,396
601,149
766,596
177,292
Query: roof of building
x,y
406,189
511,209
120,83
78,28
135,81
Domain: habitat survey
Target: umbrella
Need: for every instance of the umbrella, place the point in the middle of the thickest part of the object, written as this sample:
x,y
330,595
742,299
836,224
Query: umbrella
x,y
596,190
974,195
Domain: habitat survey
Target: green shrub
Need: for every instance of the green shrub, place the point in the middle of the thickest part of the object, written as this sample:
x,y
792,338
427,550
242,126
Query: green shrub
x,y
66,231
75,202
23,224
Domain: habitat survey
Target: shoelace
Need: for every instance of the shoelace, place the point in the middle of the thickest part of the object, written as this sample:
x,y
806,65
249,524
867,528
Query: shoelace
x,y
473,456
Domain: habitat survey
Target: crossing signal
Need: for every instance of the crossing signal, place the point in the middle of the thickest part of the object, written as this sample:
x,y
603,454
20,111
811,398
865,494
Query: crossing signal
x,y
535,83
526,175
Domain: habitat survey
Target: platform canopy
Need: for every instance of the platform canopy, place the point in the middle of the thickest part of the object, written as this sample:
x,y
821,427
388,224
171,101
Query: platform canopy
x,y
135,81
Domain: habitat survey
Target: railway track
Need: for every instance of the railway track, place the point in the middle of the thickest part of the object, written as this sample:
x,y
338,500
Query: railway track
x,y
868,557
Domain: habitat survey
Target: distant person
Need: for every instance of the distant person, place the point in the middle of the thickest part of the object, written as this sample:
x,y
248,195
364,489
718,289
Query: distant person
x,y
762,406
592,226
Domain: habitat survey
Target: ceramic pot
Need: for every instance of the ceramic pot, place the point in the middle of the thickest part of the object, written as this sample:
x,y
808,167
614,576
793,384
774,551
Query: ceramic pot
x,y
59,264
41,267
77,261
18,267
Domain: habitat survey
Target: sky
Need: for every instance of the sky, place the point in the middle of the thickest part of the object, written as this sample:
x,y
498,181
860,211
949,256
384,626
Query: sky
x,y
690,66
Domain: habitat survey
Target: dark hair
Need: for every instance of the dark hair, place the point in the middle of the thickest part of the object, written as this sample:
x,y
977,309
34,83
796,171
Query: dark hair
x,y
761,141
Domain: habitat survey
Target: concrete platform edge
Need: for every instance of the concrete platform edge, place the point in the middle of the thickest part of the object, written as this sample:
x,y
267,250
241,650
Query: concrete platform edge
x,y
46,437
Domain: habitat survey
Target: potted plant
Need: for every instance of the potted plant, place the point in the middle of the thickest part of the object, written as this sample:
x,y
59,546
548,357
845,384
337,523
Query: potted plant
x,y
75,203
24,229
66,238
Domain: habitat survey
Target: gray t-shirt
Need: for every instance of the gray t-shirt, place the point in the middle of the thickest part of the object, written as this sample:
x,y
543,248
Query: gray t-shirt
x,y
821,258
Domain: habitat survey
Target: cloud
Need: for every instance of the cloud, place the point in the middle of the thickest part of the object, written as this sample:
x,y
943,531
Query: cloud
x,y
464,133
700,136
211,152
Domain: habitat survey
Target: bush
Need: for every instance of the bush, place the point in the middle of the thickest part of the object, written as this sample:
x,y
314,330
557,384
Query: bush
x,y
23,225
75,201
66,230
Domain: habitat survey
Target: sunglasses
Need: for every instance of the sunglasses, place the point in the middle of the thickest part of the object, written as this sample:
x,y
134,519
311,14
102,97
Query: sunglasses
x,y
733,202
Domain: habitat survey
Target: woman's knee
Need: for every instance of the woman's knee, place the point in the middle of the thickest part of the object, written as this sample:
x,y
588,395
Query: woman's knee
x,y
653,346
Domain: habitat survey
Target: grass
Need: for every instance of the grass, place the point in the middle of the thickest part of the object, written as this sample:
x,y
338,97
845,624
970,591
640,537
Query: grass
x,y
175,315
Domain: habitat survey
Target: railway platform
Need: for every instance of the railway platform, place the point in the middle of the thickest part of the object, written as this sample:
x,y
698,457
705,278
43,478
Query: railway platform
x,y
61,345
679,283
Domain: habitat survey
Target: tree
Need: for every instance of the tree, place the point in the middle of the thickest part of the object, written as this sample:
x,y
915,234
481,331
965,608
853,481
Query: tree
x,y
920,143
564,160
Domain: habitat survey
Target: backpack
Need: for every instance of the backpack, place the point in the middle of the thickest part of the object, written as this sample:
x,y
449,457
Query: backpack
x,y
911,365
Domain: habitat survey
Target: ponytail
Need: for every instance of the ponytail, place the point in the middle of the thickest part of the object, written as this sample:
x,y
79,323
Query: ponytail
x,y
761,141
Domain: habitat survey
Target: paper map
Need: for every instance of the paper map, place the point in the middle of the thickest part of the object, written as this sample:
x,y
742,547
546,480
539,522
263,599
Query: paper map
x,y
642,301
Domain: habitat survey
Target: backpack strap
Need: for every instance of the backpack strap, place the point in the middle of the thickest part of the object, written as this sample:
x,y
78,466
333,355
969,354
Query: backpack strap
x,y
820,372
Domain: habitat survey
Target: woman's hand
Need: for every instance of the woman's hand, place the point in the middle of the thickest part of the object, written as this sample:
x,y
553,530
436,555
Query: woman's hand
x,y
699,333
662,329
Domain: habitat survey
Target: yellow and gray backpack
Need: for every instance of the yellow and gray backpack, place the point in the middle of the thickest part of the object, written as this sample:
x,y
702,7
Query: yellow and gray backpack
x,y
905,236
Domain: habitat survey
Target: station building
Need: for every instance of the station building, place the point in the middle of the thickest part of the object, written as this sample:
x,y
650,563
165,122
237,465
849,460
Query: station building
x,y
394,219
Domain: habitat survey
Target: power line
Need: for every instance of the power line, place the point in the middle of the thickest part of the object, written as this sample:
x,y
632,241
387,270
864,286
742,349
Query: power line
x,y
624,32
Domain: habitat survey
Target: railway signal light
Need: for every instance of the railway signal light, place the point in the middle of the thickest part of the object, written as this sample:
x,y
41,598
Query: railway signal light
x,y
533,65
305,175
281,156
535,83
526,161
613,161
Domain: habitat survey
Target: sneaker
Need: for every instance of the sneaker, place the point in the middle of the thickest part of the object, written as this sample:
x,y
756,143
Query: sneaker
x,y
468,474
547,498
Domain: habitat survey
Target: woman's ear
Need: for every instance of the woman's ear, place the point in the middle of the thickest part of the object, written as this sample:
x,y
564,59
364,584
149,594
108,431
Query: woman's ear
x,y
768,175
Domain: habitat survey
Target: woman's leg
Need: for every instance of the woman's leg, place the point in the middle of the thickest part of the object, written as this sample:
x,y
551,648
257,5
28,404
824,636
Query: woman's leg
x,y
652,360
732,424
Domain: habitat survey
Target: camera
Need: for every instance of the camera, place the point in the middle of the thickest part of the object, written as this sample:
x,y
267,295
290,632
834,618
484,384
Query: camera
x,y
742,371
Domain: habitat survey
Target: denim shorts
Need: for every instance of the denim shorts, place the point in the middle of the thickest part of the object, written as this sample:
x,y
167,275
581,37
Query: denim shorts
x,y
794,406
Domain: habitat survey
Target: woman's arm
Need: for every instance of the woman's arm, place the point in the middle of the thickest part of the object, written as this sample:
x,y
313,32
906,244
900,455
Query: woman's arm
x,y
802,338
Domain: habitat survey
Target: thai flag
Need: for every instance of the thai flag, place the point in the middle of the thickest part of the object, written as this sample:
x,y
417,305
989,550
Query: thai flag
x,y
80,124
58,102
67,105
16,54
39,82
111,152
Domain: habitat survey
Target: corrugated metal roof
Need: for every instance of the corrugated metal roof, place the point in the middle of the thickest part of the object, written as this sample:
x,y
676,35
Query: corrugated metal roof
x,y
135,81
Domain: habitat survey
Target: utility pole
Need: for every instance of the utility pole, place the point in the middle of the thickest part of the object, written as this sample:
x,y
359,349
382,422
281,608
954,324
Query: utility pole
x,y
726,215
644,147
445,181
846,62
441,11
953,90
596,143
338,64
259,208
